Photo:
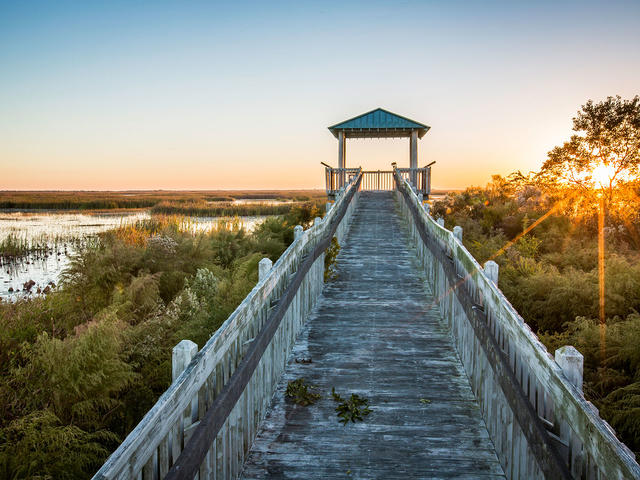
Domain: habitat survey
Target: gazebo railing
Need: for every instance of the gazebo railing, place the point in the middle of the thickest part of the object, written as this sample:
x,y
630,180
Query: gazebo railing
x,y
336,178
418,177
378,180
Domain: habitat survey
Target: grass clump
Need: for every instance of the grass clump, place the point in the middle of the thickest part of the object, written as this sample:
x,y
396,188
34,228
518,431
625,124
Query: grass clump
x,y
330,260
13,246
352,410
300,393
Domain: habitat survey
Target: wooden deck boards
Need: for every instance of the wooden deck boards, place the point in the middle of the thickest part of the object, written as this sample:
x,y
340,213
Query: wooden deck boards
x,y
375,332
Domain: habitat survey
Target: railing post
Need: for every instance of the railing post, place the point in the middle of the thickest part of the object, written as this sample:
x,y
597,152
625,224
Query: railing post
x,y
181,356
297,232
440,221
457,232
420,198
571,362
328,206
491,270
317,221
264,266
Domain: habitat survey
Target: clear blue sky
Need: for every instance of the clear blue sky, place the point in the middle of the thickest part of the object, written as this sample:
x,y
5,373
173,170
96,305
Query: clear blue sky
x,y
117,95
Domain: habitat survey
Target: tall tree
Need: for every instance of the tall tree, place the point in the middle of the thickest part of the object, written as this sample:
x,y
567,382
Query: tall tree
x,y
604,151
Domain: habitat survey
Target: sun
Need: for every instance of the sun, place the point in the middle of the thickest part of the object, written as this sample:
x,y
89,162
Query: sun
x,y
603,175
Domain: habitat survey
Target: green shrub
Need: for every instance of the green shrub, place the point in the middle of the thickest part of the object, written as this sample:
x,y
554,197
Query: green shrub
x,y
40,446
76,377
622,410
330,259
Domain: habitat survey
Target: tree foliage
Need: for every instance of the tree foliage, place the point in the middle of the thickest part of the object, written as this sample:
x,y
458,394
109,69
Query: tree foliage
x,y
603,156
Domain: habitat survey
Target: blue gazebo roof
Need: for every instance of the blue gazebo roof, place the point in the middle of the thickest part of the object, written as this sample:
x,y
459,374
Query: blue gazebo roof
x,y
378,123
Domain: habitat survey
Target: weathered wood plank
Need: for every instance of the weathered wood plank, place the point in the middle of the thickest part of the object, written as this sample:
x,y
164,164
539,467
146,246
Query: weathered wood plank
x,y
376,331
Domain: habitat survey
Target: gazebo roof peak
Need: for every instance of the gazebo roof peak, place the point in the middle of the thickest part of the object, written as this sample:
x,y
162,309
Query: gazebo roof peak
x,y
378,123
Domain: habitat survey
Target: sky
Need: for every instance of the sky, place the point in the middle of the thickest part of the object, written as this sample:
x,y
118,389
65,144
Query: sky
x,y
239,95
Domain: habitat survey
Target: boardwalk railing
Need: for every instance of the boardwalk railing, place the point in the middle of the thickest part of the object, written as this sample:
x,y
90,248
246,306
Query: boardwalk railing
x,y
204,424
540,423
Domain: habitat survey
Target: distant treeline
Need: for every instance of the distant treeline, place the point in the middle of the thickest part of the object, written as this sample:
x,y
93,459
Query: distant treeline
x,y
82,200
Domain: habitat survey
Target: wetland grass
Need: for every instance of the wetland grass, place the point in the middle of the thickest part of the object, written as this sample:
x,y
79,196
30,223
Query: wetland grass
x,y
88,200
15,247
224,209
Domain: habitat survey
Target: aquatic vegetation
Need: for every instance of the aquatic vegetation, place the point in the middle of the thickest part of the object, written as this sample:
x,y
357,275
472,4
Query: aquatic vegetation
x,y
13,246
16,248
222,209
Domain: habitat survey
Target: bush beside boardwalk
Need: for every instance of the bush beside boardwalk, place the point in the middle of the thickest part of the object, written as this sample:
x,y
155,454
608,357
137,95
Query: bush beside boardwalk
x,y
81,366
550,275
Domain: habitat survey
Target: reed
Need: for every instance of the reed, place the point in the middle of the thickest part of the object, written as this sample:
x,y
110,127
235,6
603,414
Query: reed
x,y
15,247
85,200
221,209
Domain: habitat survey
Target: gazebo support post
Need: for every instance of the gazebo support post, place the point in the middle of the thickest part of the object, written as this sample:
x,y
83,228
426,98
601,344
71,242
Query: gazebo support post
x,y
413,158
342,150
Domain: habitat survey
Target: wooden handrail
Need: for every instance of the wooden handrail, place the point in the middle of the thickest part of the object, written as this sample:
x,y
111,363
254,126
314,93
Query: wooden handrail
x,y
537,437
490,333
156,442
196,449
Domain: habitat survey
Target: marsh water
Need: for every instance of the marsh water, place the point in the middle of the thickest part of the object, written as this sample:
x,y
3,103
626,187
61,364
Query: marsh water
x,y
57,237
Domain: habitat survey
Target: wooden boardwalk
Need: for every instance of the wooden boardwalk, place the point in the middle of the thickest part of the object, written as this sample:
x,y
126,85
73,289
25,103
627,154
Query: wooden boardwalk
x,y
376,332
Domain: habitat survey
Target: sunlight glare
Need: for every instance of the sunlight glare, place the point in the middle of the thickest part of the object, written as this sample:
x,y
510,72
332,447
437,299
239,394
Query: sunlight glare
x,y
603,174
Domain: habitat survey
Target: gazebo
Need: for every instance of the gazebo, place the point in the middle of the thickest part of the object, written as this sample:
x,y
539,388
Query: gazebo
x,y
379,123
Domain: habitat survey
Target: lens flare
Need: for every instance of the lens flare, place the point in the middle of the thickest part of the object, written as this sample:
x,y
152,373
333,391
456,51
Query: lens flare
x,y
601,279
